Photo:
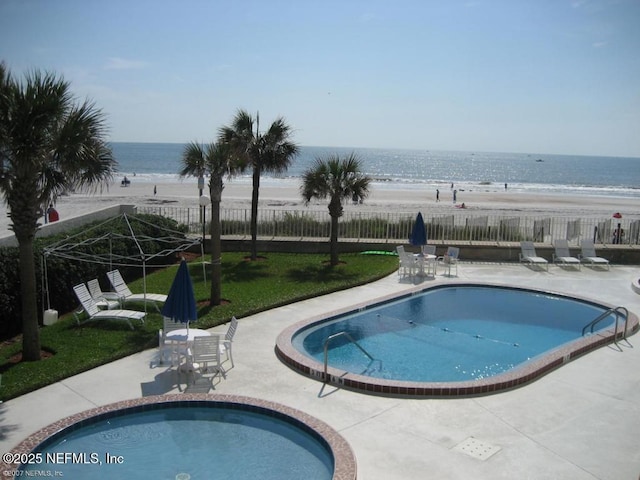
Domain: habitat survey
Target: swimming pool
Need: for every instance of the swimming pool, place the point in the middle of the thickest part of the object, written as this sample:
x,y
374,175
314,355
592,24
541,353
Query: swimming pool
x,y
188,437
448,340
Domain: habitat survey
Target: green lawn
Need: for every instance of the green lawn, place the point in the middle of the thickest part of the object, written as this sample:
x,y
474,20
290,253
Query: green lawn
x,y
247,288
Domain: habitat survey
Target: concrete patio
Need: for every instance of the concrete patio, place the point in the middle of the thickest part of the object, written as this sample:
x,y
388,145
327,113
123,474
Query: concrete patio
x,y
579,422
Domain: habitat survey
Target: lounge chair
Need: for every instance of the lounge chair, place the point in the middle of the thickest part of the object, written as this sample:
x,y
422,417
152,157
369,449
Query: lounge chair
x,y
108,300
529,256
588,255
90,307
125,295
408,264
449,259
205,356
562,256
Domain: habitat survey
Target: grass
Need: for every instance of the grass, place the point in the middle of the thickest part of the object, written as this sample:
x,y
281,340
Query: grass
x,y
247,287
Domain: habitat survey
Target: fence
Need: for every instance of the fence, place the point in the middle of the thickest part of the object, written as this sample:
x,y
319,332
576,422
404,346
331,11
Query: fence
x,y
396,227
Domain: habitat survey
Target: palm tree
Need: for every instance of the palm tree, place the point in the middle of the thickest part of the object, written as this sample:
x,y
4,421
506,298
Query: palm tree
x,y
49,145
338,179
213,159
271,151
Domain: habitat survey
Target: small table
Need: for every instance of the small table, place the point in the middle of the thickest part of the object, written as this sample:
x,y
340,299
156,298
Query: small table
x,y
427,260
186,335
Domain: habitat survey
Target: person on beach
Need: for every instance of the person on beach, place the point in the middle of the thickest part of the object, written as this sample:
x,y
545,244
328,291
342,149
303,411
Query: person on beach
x,y
505,187
155,190
437,195
455,195
52,214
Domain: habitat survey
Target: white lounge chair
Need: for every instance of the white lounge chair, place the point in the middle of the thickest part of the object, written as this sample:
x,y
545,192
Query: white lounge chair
x,y
588,255
205,356
449,259
108,300
125,295
90,307
529,256
562,255
408,264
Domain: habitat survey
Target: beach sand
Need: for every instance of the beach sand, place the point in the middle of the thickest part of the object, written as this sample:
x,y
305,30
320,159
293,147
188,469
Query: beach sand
x,y
383,198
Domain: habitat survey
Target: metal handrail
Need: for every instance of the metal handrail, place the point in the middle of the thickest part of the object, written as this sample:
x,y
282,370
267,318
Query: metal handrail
x,y
326,349
618,311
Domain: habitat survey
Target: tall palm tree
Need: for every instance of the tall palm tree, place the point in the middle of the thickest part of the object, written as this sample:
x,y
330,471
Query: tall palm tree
x,y
271,151
213,159
49,145
339,179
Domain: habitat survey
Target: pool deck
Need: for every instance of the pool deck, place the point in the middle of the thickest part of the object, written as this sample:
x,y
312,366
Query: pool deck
x,y
581,421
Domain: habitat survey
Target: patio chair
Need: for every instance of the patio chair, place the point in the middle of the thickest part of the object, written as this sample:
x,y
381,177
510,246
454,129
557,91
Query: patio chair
x,y
125,295
529,256
166,346
562,256
205,356
449,259
227,341
90,307
108,300
428,249
588,255
407,262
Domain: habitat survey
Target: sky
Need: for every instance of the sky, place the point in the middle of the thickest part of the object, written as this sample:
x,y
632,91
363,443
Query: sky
x,y
536,76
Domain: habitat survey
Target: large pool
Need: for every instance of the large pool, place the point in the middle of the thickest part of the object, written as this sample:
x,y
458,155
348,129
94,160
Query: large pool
x,y
192,438
467,338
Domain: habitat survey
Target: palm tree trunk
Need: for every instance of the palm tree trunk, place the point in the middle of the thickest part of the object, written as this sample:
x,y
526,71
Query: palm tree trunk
x,y
333,240
254,213
216,253
30,328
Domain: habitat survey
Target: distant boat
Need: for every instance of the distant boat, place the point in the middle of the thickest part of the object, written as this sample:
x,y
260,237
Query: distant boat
x,y
539,160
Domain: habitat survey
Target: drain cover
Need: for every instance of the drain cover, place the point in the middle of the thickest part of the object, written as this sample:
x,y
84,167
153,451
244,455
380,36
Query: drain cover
x,y
476,449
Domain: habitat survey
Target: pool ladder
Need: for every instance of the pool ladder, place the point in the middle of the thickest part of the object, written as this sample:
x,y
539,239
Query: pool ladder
x,y
326,349
619,311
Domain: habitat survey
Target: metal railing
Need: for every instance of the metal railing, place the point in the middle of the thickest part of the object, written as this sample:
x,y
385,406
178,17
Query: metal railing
x,y
388,227
619,312
326,350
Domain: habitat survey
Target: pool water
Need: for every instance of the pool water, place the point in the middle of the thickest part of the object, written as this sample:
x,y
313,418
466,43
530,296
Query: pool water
x,y
450,334
189,443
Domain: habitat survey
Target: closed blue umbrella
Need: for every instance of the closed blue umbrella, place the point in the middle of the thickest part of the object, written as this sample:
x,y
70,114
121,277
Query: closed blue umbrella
x,y
181,301
419,232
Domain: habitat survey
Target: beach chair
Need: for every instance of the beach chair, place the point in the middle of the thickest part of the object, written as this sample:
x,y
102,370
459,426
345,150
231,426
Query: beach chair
x,y
108,300
588,255
562,256
89,306
449,259
125,295
529,256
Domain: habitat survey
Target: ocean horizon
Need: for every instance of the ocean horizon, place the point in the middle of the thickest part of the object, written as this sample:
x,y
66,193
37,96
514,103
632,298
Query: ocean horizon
x,y
423,169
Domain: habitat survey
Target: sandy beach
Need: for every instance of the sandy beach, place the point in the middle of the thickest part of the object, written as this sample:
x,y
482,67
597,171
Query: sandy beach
x,y
401,198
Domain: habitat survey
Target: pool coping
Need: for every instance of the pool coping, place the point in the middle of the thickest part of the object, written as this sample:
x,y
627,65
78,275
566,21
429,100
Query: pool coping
x,y
528,372
345,467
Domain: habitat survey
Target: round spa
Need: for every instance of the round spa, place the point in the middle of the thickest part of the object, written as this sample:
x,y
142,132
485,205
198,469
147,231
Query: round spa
x,y
188,437
463,339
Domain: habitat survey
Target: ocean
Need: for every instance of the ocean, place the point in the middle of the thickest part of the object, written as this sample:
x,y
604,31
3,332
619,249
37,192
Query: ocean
x,y
424,169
